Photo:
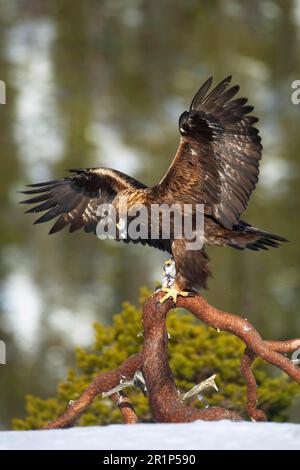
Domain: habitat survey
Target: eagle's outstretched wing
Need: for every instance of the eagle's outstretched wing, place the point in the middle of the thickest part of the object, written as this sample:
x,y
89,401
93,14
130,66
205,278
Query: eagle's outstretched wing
x,y
74,199
217,162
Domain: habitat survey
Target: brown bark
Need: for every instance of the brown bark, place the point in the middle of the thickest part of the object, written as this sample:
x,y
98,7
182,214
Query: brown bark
x,y
126,408
164,398
102,383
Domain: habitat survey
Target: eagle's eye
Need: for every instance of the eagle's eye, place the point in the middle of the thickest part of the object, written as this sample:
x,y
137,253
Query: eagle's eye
x,y
183,123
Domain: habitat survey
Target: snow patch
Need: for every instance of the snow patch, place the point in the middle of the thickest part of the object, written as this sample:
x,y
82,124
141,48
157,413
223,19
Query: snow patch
x,y
196,435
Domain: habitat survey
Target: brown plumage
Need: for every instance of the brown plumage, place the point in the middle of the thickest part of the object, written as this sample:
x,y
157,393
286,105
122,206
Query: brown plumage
x,y
217,165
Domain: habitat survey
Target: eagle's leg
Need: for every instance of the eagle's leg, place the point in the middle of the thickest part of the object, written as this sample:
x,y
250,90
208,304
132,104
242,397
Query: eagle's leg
x,y
169,272
172,282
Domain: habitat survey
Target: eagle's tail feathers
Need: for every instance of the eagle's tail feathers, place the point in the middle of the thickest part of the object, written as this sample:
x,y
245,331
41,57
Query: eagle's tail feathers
x,y
252,238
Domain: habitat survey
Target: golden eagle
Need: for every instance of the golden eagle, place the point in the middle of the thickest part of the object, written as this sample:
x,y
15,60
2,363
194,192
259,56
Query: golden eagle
x,y
216,164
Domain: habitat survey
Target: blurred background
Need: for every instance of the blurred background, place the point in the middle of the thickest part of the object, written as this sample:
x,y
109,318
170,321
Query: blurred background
x,y
103,82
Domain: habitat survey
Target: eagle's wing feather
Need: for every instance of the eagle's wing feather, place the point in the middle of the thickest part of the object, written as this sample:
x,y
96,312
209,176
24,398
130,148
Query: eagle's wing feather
x,y
74,199
217,162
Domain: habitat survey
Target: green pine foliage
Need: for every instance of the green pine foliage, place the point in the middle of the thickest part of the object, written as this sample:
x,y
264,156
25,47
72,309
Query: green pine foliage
x,y
196,352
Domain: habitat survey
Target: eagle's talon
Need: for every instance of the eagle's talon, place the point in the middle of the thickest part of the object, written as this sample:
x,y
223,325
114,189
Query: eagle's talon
x,y
172,293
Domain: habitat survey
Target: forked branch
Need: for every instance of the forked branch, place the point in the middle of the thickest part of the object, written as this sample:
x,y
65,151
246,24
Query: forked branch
x,y
165,401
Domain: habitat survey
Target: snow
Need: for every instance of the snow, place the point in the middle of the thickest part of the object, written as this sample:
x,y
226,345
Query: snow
x,y
196,435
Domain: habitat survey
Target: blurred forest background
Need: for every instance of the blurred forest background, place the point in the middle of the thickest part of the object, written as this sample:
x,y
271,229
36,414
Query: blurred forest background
x,y
102,82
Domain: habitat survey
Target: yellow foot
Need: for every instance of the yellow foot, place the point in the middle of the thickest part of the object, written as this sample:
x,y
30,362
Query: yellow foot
x,y
172,293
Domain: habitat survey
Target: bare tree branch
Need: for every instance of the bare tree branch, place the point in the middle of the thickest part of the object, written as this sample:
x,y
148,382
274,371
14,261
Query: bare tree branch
x,y
126,408
100,384
165,400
